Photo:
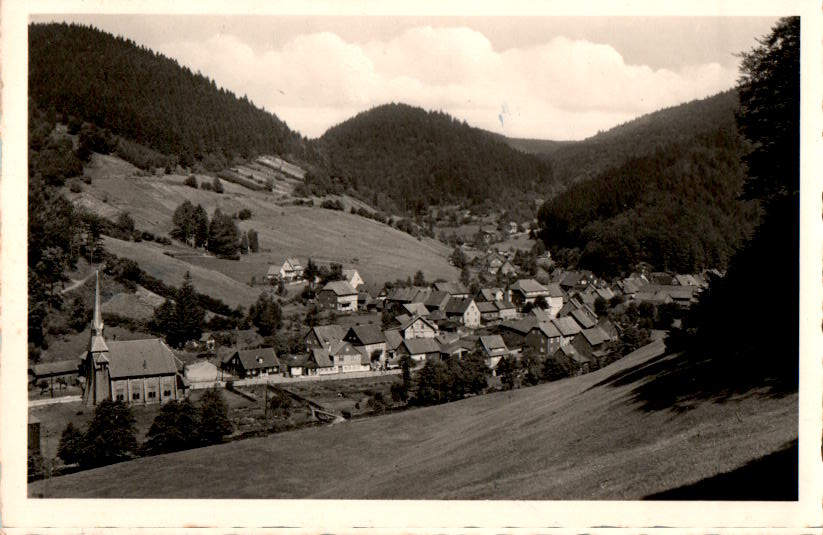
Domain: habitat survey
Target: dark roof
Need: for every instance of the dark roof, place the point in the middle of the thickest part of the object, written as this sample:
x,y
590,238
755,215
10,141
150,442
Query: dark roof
x,y
555,290
59,367
570,278
595,335
262,357
451,288
493,344
458,306
529,286
504,305
418,309
569,351
366,334
437,299
417,346
540,314
340,288
327,334
582,318
321,358
548,329
567,326
138,358
487,306
393,338
489,294
522,326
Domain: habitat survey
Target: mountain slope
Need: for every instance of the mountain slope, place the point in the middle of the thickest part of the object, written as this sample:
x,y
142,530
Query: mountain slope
x,y
147,98
587,437
668,195
416,158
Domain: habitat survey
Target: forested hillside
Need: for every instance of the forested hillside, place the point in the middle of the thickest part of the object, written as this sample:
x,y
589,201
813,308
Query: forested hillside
x,y
675,207
416,158
91,76
576,161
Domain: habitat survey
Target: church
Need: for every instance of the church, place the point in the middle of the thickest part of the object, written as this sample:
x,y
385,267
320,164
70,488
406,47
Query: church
x,y
134,371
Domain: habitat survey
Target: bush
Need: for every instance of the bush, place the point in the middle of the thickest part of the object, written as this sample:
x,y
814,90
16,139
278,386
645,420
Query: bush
x,y
214,417
111,436
244,214
75,187
191,181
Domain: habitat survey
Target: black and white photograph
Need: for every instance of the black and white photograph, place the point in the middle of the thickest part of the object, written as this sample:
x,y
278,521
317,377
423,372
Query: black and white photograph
x,y
510,268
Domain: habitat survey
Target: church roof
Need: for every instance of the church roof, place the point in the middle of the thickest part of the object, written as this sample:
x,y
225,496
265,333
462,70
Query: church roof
x,y
139,358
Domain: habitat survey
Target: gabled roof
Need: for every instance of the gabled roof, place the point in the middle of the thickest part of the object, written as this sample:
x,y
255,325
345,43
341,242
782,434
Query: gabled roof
x,y
522,326
605,293
350,273
504,305
419,346
489,294
437,299
273,270
138,358
292,264
393,339
582,318
326,334
411,321
547,329
487,307
555,290
529,286
262,357
56,368
540,314
402,319
365,335
416,309
340,288
567,326
570,352
570,278
458,306
342,348
321,358
493,345
595,335
451,288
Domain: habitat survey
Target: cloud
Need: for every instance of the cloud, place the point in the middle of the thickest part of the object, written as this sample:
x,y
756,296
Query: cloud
x,y
560,89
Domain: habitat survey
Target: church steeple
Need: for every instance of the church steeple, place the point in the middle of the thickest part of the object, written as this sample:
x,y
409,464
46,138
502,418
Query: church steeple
x,y
97,344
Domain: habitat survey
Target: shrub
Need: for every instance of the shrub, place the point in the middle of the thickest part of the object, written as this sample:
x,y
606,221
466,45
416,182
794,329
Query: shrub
x,y
244,214
75,187
191,181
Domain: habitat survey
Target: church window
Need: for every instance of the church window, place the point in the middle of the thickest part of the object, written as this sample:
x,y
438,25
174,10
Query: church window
x,y
135,395
166,393
151,394
121,396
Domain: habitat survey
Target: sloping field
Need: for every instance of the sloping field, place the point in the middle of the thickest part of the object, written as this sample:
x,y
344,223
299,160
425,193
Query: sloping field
x,y
171,271
564,440
378,251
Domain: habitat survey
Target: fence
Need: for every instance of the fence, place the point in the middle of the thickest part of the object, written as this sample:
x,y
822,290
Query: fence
x,y
280,379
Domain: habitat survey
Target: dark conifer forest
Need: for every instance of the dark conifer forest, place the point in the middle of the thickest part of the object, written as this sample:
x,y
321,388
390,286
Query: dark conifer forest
x,y
148,99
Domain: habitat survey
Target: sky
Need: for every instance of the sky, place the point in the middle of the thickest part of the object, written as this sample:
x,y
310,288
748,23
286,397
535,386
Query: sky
x,y
561,78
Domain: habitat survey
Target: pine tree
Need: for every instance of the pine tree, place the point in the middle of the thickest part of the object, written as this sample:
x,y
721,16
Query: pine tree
x,y
111,436
224,238
214,417
200,226
72,444
175,428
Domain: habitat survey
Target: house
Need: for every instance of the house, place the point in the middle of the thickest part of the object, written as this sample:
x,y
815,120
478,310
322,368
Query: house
x,y
135,371
488,311
62,372
583,318
493,349
393,341
353,277
253,363
400,296
273,273
369,340
568,357
463,311
208,341
418,327
526,291
419,349
493,261
366,302
489,294
416,309
592,343
339,296
437,301
506,309
292,269
345,358
454,289
507,268
514,332
452,346
555,298
568,328
318,362
544,338
324,335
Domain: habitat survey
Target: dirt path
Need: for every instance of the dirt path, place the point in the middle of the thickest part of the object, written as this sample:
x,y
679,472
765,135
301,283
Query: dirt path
x,y
76,283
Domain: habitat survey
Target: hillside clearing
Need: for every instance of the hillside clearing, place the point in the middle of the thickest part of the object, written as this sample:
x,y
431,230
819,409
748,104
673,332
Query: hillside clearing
x,y
562,440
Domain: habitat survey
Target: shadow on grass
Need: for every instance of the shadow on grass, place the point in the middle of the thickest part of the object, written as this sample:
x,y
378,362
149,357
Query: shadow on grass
x,y
769,478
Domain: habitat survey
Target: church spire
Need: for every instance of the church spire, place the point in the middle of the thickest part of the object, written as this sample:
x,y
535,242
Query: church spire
x,y
97,344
